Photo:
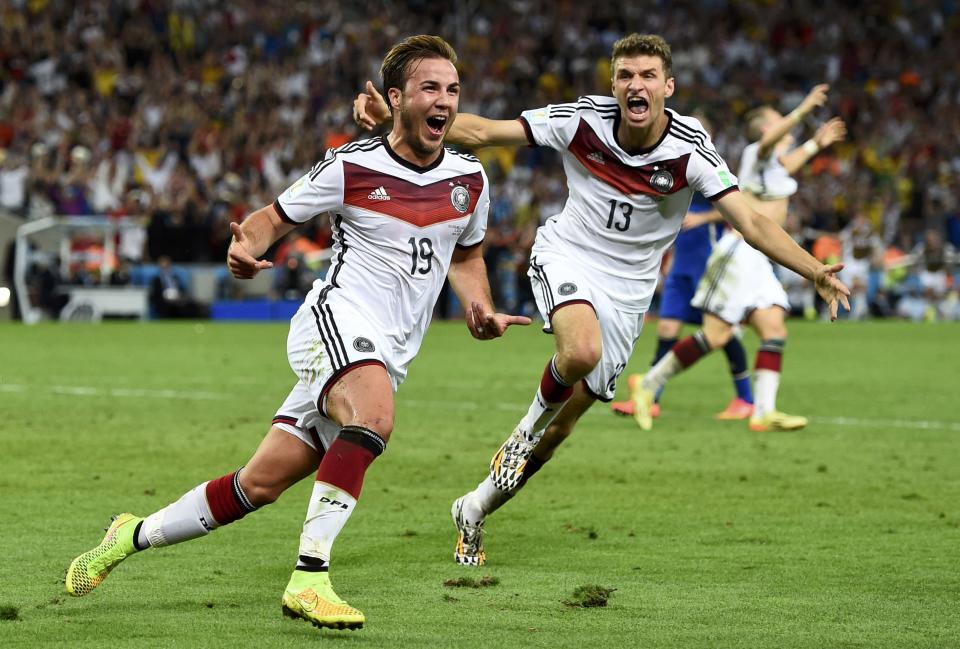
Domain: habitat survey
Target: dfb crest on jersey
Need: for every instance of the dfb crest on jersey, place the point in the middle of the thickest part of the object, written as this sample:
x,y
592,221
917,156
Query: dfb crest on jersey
x,y
363,345
662,180
460,198
568,288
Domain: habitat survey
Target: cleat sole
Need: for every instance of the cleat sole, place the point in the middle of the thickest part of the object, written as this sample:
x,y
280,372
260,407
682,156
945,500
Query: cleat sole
x,y
337,625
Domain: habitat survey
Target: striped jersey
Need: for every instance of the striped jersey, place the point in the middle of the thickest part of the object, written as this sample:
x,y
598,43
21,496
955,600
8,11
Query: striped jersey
x,y
395,227
623,210
765,178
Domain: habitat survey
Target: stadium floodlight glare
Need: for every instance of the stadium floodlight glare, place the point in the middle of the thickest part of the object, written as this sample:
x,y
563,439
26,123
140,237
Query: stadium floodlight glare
x,y
4,296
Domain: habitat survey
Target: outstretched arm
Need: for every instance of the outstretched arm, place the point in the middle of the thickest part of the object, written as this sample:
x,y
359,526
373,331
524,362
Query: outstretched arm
x,y
468,278
252,239
770,239
832,131
370,109
816,97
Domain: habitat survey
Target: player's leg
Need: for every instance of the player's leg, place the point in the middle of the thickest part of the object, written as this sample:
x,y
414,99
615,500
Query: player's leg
x,y
714,333
360,402
471,510
741,407
579,347
718,299
675,309
567,303
771,327
668,330
280,461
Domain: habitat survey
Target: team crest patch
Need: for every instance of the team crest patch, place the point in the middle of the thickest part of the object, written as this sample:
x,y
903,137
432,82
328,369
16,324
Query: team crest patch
x,y
363,345
662,181
567,289
460,198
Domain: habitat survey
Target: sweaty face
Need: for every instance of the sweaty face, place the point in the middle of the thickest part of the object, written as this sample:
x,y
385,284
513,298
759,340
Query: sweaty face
x,y
641,88
428,104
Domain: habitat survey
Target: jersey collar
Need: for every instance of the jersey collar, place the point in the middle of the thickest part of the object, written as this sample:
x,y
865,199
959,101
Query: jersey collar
x,y
644,151
410,165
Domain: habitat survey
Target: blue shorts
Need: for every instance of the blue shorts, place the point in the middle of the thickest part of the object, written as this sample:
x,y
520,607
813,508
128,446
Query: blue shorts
x,y
678,290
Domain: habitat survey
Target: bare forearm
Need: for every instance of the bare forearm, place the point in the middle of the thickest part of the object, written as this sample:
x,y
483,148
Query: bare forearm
x,y
773,241
262,228
778,130
474,131
468,278
796,158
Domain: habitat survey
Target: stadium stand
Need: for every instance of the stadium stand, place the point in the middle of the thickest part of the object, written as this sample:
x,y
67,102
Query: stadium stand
x,y
193,113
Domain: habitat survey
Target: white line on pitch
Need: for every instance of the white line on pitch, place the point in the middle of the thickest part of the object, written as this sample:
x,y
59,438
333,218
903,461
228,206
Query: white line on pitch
x,y
88,391
135,393
599,409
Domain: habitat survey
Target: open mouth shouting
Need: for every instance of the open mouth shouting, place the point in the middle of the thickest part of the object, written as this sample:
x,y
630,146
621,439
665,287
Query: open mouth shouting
x,y
638,106
437,124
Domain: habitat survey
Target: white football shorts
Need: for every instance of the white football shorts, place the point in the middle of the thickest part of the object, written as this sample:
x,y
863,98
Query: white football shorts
x,y
558,283
739,279
326,342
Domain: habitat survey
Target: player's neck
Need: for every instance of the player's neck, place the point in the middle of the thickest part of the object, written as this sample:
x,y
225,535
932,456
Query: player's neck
x,y
399,143
641,139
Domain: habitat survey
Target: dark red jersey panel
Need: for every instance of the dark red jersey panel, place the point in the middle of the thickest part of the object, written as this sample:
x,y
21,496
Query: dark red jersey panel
x,y
655,179
420,205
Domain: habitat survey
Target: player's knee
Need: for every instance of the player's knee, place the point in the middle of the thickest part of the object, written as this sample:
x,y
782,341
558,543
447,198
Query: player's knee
x,y
261,489
778,330
380,423
579,360
668,328
718,337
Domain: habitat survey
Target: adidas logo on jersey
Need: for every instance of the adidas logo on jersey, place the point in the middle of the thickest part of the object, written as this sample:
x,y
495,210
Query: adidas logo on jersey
x,y
597,157
379,194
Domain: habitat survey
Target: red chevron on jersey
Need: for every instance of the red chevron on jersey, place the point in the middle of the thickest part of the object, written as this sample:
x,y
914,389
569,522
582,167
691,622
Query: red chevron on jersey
x,y
656,179
419,205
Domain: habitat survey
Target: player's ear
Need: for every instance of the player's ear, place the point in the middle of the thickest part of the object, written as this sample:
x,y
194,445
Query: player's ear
x,y
394,96
668,88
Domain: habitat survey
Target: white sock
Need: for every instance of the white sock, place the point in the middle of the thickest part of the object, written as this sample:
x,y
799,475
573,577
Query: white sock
x,y
188,518
483,501
767,382
329,509
541,412
665,369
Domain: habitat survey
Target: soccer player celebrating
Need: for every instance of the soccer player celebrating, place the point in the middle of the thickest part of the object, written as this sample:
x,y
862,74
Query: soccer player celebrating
x,y
632,166
739,284
407,213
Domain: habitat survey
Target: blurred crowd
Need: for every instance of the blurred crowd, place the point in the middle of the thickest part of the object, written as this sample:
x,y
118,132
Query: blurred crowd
x,y
189,114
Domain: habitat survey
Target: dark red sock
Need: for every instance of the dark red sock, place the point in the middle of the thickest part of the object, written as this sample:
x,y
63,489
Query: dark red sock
x,y
346,461
770,355
227,501
553,388
691,349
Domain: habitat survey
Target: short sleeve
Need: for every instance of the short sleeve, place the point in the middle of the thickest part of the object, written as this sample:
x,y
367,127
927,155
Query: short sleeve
x,y
476,228
319,190
552,126
708,173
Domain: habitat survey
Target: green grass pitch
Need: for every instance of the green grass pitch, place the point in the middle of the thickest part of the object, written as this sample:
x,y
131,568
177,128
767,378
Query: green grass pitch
x,y
844,535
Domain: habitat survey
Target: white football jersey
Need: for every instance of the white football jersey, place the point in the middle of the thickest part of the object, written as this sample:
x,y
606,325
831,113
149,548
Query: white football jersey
x,y
395,227
623,210
765,178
